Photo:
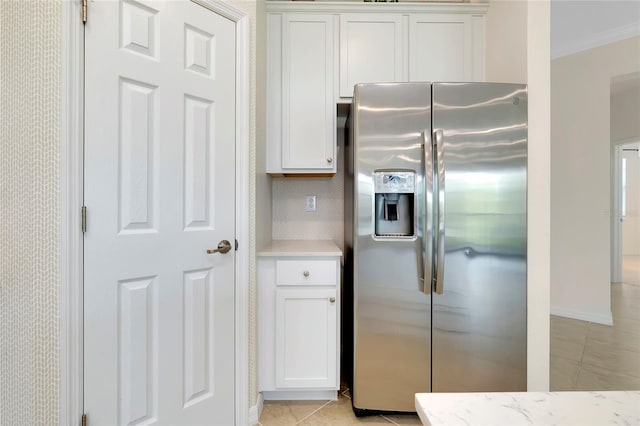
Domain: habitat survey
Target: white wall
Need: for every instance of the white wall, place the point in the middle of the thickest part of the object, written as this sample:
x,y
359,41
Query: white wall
x,y
580,172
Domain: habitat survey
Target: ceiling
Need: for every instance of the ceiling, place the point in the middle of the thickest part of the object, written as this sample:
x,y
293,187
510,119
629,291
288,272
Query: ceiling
x,y
578,25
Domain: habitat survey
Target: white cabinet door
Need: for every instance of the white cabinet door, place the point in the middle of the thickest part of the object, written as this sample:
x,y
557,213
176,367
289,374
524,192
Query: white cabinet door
x,y
371,50
308,107
306,338
440,47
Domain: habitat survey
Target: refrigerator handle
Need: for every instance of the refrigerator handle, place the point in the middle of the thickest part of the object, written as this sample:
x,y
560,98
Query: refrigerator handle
x,y
439,286
427,216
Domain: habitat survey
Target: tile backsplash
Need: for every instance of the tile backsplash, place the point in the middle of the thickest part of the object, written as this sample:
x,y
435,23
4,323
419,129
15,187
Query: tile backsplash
x,y
291,221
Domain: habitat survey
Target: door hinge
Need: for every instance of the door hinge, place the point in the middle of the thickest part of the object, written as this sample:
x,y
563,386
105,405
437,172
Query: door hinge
x,y
83,214
84,11
236,245
83,421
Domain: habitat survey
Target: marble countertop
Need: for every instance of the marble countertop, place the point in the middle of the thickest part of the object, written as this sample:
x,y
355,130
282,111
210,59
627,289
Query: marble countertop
x,y
301,248
529,408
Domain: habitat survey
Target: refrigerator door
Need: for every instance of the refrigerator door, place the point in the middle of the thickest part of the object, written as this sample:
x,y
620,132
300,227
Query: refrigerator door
x,y
479,306
390,124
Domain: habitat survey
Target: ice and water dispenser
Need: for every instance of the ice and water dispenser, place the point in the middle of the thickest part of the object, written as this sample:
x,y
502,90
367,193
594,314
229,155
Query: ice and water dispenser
x,y
394,200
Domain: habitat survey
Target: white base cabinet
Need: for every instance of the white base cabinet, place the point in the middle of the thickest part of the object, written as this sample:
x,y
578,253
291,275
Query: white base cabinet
x,y
298,324
306,338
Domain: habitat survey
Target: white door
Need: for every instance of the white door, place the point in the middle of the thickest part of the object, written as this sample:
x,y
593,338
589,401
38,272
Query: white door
x,y
160,191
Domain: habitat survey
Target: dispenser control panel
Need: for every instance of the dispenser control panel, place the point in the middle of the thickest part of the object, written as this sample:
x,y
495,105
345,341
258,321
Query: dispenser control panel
x,y
394,182
394,203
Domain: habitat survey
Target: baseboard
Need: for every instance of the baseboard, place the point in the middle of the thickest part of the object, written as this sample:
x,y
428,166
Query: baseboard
x,y
256,410
293,395
583,316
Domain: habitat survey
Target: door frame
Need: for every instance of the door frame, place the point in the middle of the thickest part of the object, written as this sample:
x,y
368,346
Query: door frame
x,y
616,225
71,177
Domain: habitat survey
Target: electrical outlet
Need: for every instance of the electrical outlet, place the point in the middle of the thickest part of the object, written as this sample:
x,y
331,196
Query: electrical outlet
x,y
310,205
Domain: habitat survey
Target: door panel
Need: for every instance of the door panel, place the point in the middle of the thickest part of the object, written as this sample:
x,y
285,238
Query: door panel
x,y
371,50
479,320
392,312
441,47
306,321
160,191
308,109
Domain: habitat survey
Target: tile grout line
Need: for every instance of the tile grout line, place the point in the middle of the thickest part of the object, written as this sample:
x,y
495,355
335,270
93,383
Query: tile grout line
x,y
313,412
389,420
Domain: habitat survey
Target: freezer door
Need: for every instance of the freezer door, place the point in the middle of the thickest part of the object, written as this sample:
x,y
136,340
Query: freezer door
x,y
392,317
479,303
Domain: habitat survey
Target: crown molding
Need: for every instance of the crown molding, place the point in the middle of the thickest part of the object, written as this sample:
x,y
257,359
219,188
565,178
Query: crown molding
x,y
377,7
595,40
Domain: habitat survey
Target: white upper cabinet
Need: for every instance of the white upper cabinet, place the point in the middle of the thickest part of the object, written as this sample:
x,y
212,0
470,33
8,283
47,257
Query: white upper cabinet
x,y
372,49
301,106
441,47
317,52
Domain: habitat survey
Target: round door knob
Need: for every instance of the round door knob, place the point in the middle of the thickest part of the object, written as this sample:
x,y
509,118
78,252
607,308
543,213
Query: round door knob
x,y
329,160
306,274
332,299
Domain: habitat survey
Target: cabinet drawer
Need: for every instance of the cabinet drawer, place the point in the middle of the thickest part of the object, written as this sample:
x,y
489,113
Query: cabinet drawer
x,y
306,272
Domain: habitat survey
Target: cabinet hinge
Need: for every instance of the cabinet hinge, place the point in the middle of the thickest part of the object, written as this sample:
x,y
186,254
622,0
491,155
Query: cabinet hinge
x,y
83,214
83,421
84,11
236,245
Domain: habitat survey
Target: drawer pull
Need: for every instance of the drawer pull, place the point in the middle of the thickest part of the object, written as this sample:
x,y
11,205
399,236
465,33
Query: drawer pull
x,y
332,299
306,274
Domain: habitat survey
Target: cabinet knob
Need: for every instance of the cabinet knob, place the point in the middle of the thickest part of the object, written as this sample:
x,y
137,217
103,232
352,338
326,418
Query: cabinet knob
x,y
332,299
329,160
305,273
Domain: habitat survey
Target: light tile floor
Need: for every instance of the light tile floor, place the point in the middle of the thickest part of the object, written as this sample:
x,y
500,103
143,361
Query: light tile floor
x,y
589,356
584,356
316,413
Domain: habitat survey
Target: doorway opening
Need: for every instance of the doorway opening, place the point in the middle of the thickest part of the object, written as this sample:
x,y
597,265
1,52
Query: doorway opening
x,y
625,179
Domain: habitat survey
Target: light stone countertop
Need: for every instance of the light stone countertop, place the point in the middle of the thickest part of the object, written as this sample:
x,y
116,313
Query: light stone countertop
x,y
300,248
529,408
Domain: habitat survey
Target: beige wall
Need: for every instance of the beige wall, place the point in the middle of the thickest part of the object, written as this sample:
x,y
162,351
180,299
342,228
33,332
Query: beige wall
x,y
518,51
625,110
580,172
29,211
506,41
538,194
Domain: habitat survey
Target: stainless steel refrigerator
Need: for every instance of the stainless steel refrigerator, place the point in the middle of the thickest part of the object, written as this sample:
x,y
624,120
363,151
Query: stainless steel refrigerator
x,y
435,241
